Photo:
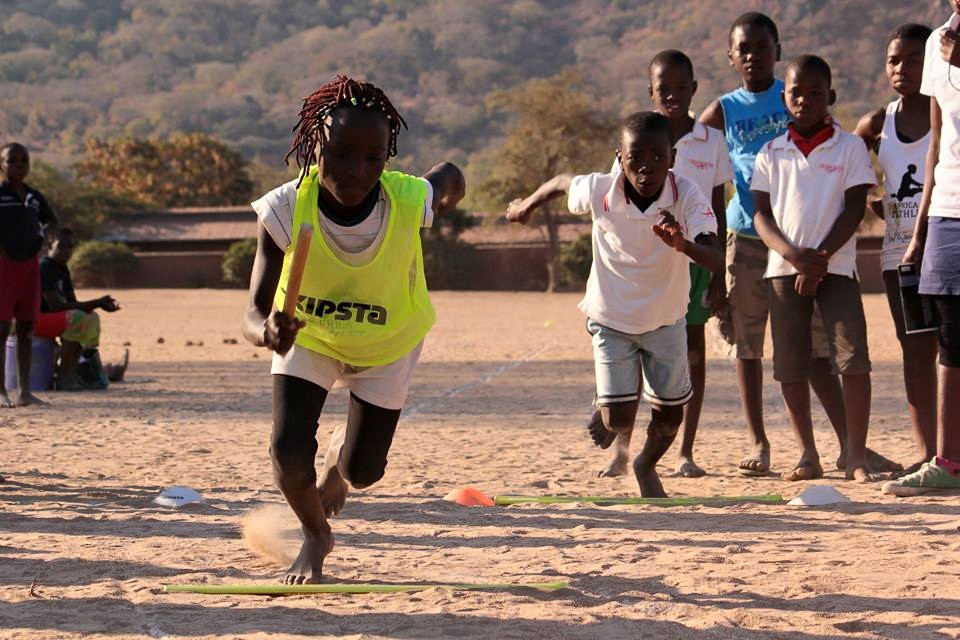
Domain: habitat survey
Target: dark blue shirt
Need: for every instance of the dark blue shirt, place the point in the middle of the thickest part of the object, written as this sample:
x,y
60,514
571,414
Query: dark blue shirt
x,y
22,222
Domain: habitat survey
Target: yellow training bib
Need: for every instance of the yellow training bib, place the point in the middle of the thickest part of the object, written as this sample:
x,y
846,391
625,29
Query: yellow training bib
x,y
372,314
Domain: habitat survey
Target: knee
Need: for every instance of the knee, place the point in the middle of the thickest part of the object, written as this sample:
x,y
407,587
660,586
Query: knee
x,y
666,421
24,331
362,473
293,468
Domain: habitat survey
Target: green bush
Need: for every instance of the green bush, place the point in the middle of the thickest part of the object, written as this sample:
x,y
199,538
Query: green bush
x,y
237,262
447,261
575,261
97,263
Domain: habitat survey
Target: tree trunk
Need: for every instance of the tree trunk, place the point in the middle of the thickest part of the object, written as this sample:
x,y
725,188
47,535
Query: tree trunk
x,y
553,255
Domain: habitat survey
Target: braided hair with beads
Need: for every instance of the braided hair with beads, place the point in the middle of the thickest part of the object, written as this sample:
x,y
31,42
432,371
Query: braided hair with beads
x,y
311,129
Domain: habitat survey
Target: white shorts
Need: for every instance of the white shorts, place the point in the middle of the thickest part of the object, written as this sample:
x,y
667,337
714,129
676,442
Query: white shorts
x,y
384,386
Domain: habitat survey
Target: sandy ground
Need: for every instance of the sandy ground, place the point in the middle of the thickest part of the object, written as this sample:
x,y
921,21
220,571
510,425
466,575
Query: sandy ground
x,y
498,402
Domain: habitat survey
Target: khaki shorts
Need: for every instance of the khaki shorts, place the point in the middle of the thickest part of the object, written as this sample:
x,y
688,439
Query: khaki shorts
x,y
844,325
748,303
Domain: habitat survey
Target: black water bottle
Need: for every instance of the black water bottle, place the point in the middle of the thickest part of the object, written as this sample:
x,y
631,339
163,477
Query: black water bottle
x,y
919,314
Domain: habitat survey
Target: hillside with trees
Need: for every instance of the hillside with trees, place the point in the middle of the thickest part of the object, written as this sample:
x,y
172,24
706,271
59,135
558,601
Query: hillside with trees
x,y
237,69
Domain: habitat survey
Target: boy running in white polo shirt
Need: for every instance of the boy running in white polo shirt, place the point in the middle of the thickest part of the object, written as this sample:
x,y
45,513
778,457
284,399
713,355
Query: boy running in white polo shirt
x,y
702,157
638,289
810,189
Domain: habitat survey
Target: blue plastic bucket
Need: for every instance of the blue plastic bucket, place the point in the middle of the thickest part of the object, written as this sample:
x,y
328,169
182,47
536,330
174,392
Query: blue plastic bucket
x,y
41,366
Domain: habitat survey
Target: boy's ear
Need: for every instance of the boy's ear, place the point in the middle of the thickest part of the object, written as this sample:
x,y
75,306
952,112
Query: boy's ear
x,y
673,156
778,52
730,57
694,86
650,91
783,97
833,97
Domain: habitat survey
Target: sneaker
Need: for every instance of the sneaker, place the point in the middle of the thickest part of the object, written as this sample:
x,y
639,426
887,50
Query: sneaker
x,y
930,477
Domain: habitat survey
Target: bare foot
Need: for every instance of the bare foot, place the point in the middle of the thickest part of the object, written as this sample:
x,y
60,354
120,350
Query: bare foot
x,y
689,469
601,436
616,468
875,460
5,402
862,472
647,478
333,492
308,567
757,464
807,469
25,398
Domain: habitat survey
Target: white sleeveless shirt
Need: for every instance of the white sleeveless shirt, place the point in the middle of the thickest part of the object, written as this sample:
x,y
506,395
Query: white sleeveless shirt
x,y
903,165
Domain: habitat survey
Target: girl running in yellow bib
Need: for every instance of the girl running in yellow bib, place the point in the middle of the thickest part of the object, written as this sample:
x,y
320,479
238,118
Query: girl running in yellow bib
x,y
362,310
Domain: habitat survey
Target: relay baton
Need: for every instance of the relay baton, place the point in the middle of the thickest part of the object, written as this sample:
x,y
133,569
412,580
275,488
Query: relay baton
x,y
300,253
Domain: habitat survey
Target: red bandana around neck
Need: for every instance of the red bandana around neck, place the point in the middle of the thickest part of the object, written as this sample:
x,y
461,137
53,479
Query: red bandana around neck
x,y
807,145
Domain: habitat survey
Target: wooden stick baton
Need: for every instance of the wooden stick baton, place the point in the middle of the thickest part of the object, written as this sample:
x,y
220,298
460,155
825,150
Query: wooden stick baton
x,y
297,265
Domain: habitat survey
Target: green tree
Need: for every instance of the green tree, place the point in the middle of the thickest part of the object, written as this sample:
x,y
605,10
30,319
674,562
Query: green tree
x,y
237,264
555,128
185,170
97,263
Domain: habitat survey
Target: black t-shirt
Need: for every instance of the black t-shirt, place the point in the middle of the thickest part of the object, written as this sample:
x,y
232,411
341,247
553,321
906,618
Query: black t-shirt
x,y
55,277
21,222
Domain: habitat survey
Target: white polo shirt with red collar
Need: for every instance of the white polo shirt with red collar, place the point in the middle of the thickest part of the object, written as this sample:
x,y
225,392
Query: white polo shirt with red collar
x,y
702,156
637,283
806,193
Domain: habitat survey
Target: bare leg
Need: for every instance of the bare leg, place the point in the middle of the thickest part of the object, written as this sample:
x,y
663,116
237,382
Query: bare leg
x,y
661,432
5,401
297,405
696,357
920,380
949,409
750,383
621,450
24,357
856,395
796,397
830,393
67,372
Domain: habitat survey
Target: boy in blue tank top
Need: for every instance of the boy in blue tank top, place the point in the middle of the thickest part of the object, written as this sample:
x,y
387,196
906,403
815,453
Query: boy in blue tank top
x,y
751,116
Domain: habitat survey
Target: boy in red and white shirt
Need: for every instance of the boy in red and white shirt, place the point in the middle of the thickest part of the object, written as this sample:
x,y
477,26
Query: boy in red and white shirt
x,y
639,283
810,188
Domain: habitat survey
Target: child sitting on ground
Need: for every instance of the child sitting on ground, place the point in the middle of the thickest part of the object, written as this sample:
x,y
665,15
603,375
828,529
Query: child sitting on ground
x,y
639,283
701,157
900,136
810,188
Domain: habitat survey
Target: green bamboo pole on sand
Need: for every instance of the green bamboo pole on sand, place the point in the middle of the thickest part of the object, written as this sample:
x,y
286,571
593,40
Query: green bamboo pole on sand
x,y
292,589
767,498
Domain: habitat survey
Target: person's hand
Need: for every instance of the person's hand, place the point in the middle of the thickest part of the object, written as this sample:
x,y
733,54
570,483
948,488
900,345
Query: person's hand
x,y
949,51
108,304
280,332
519,211
809,262
914,253
807,285
668,230
717,295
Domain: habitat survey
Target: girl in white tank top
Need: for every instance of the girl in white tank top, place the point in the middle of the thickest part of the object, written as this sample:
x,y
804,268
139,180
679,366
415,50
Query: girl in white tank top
x,y
903,165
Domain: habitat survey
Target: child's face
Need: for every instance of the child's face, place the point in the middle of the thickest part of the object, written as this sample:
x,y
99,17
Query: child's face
x,y
15,164
354,154
905,65
645,160
672,89
753,52
808,97
955,5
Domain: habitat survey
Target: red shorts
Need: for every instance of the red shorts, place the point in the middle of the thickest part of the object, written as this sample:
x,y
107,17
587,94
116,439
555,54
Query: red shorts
x,y
50,325
19,289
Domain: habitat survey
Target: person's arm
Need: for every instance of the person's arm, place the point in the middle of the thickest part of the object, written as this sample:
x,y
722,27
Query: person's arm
x,y
48,218
54,304
262,326
717,290
854,205
712,116
448,185
705,250
521,210
808,262
914,253
869,129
